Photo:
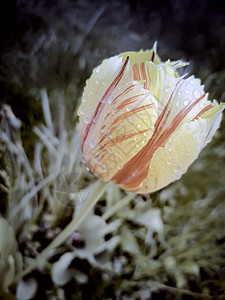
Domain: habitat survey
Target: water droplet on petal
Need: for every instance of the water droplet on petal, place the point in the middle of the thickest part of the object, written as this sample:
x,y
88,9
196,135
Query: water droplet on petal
x,y
167,90
139,125
129,107
178,103
110,100
104,83
138,145
120,166
136,139
195,134
144,141
101,169
177,169
118,159
97,160
81,111
90,92
187,92
84,99
97,81
196,93
170,146
134,173
131,119
186,102
110,150
92,144
169,162
113,112
86,119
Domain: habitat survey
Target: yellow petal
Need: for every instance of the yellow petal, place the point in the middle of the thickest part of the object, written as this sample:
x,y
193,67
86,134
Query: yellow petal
x,y
122,118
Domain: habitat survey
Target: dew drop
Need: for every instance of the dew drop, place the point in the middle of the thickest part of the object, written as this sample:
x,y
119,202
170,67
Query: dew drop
x,y
177,169
178,103
84,100
145,134
98,69
179,93
92,144
103,130
113,112
118,159
131,119
120,166
138,145
134,173
186,102
187,92
81,112
97,160
97,81
167,90
139,125
129,107
196,93
144,141
118,152
110,150
136,139
195,134
104,83
110,100
170,146
90,92
192,82
169,163
101,169
86,119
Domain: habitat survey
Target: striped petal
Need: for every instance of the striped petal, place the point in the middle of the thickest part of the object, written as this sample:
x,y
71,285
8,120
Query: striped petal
x,y
142,124
120,118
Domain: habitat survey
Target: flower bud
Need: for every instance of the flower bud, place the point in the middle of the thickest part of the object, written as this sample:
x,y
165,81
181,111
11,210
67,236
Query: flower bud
x,y
142,124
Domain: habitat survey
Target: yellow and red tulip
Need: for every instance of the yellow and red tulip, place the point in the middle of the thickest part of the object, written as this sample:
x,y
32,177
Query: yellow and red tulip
x,y
142,124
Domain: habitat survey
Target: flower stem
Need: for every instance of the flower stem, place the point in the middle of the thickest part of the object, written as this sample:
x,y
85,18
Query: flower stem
x,y
70,228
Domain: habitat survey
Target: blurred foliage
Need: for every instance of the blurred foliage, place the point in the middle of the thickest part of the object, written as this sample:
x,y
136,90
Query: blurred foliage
x,y
168,245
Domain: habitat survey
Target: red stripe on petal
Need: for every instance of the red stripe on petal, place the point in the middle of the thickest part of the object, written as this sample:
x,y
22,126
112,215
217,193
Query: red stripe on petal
x,y
141,161
205,109
101,104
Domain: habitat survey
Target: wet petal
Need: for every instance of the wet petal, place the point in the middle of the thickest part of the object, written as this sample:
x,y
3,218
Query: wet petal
x,y
121,123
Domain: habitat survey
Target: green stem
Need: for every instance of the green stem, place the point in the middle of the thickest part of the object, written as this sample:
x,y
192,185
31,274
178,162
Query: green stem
x,y
70,228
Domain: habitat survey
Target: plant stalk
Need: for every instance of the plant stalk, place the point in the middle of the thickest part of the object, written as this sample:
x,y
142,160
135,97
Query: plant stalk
x,y
70,228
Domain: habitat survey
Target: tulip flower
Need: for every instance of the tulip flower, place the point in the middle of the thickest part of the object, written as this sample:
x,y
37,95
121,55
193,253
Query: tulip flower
x,y
142,124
